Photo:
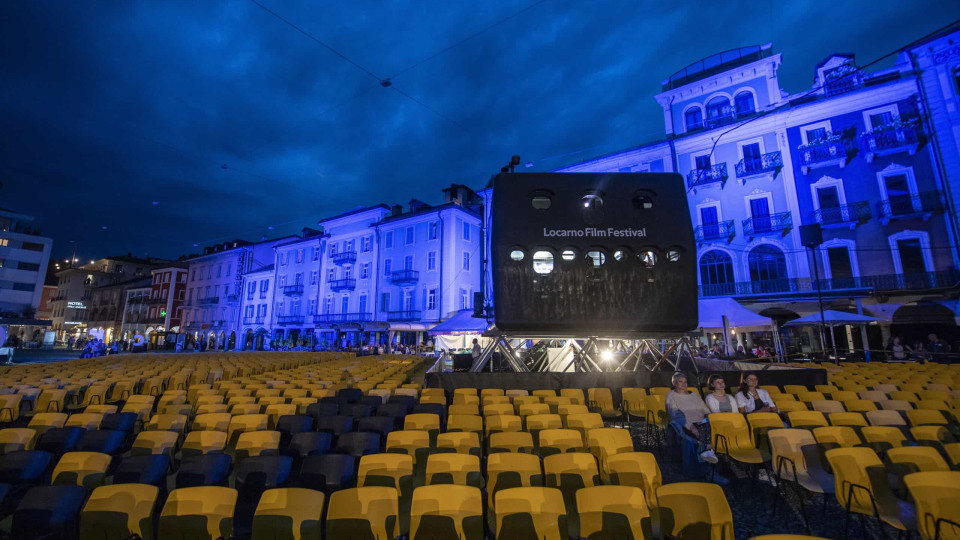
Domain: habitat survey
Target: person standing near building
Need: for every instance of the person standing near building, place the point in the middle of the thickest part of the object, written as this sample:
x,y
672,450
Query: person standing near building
x,y
939,349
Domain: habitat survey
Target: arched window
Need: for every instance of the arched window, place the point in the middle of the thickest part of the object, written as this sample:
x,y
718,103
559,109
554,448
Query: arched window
x,y
744,104
768,269
716,274
693,119
719,112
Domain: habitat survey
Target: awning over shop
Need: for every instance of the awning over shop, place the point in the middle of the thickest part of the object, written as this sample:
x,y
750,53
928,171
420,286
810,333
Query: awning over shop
x,y
712,311
409,327
462,322
833,318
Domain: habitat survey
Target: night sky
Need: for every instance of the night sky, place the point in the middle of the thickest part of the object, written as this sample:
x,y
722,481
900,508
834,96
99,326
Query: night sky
x,y
118,116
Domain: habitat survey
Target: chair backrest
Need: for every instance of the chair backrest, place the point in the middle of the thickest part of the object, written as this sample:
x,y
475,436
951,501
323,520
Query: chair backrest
x,y
85,469
155,442
885,418
807,419
918,458
255,443
847,419
16,439
392,470
364,512
451,511
935,495
613,512
694,510
510,441
509,470
292,513
637,469
119,511
198,512
530,512
204,442
458,469
853,484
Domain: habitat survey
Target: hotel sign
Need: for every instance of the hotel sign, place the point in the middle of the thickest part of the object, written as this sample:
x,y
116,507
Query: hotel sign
x,y
76,305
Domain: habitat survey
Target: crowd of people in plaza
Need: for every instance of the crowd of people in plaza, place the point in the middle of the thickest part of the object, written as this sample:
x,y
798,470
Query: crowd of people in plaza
x,y
935,350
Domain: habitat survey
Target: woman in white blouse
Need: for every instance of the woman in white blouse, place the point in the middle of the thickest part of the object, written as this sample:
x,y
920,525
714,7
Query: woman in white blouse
x,y
750,398
718,400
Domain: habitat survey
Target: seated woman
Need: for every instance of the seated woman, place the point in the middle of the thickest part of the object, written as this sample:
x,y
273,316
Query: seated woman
x,y
718,400
689,413
750,398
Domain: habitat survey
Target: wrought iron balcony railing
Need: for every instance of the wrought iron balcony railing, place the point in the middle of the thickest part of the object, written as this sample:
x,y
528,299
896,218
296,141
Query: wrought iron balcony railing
x,y
248,320
293,290
771,162
341,318
210,300
344,257
345,284
404,277
843,83
879,283
403,316
887,140
232,298
823,155
719,121
923,204
290,319
723,231
845,214
716,174
774,223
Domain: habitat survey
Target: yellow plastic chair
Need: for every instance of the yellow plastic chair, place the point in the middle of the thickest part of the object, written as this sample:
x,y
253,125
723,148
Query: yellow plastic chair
x,y
640,470
796,461
596,505
694,510
198,512
460,442
360,512
510,441
119,511
85,469
530,512
16,439
861,487
436,507
936,495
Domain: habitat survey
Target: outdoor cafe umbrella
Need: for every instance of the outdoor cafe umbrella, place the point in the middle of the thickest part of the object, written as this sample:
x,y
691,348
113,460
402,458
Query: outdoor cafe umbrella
x,y
833,318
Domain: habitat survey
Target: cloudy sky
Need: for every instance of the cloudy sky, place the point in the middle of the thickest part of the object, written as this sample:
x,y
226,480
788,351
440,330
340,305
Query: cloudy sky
x,y
149,127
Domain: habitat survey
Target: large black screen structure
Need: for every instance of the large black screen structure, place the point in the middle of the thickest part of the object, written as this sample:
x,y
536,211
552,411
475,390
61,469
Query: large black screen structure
x,y
605,254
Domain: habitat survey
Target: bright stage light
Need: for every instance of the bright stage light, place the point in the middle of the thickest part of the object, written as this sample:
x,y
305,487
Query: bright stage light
x,y
606,355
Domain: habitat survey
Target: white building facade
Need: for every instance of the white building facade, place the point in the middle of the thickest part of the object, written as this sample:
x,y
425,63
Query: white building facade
x,y
23,263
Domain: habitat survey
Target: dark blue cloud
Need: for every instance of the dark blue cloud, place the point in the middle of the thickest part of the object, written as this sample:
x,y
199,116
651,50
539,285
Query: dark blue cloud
x,y
109,106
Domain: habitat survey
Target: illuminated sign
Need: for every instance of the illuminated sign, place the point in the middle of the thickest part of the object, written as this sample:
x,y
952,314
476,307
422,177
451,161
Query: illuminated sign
x,y
163,313
76,305
72,322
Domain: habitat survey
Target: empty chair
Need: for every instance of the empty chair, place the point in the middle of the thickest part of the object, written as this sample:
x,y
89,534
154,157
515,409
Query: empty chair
x,y
926,417
125,422
45,511
322,409
852,419
278,410
510,441
257,443
290,425
896,405
335,425
85,469
387,470
309,444
571,472
557,441
885,418
358,444
936,495
446,511
105,441
198,512
731,437
255,475
328,472
584,422
864,492
381,425
459,469
84,420
211,422
458,422
203,442
464,408
910,459
614,512
289,513
601,401
859,405
16,439
356,410
531,512
145,469
424,422
606,442
41,422
350,395
243,423
24,467
637,469
460,442
203,470
119,511
694,510
364,512
836,437
413,443
167,422
825,406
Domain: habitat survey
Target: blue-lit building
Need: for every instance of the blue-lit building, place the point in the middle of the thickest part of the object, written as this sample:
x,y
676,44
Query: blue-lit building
x,y
854,153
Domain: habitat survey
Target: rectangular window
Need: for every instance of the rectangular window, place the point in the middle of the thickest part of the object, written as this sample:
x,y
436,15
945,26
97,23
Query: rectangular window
x,y
366,243
313,307
219,270
264,285
331,275
32,246
466,231
333,249
189,296
193,275
387,266
299,278
210,272
4,242
314,276
464,299
466,260
248,312
432,231
299,256
364,270
347,272
703,162
408,262
316,254
350,246
345,304
816,134
27,266
409,235
898,194
384,302
432,260
24,287
207,291
279,309
283,281
363,303
432,299
388,240
839,258
911,256
327,305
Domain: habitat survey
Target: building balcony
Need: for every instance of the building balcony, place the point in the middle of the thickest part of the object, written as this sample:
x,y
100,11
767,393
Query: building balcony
x,y
768,164
846,215
293,290
345,284
248,321
922,205
825,154
779,223
882,283
290,319
232,299
887,140
403,316
716,175
209,301
716,232
404,277
720,121
137,300
842,84
344,257
342,318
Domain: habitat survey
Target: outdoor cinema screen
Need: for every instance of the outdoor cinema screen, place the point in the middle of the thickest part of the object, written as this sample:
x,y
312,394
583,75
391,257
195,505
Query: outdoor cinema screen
x,y
606,254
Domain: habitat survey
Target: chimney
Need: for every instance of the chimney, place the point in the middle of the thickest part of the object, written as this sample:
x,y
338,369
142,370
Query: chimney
x,y
396,210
